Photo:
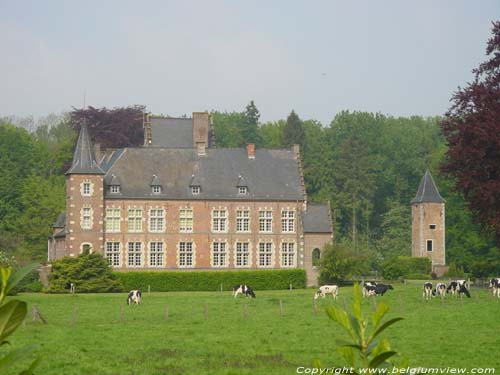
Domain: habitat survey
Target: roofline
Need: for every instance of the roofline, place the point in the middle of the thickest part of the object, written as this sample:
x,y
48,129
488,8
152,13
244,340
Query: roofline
x,y
204,199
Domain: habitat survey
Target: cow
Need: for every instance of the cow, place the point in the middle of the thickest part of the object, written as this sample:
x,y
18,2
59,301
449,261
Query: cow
x,y
458,287
243,289
440,290
495,286
327,289
427,294
378,289
365,284
134,296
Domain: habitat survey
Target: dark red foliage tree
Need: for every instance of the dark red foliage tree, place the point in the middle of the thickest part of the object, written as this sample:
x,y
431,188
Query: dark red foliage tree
x,y
472,129
112,128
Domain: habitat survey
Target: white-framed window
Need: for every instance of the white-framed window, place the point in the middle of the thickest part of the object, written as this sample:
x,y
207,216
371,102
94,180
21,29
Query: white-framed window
x,y
156,254
195,190
242,254
242,190
186,220
288,221
157,220
113,254
86,191
86,218
134,255
156,189
114,189
219,254
186,254
288,254
112,220
265,221
134,220
265,254
242,221
219,221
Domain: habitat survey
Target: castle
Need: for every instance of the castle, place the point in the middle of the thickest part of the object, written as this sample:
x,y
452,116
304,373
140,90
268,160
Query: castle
x,y
179,203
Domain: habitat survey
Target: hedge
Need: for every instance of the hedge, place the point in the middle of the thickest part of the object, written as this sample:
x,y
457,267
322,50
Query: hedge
x,y
170,281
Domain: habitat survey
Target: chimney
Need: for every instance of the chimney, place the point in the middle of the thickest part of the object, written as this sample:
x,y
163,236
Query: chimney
x,y
251,150
201,121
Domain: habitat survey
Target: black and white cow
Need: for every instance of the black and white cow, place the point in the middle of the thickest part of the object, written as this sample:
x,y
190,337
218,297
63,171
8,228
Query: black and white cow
x,y
243,289
495,286
378,289
134,296
427,294
365,284
440,290
327,289
458,287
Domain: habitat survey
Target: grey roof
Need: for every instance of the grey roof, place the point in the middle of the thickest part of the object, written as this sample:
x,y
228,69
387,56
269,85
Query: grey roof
x,y
84,161
427,191
114,181
317,219
61,220
172,132
61,234
272,175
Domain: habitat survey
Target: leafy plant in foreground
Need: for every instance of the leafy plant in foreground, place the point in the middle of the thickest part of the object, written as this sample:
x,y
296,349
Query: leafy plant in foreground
x,y
365,350
12,315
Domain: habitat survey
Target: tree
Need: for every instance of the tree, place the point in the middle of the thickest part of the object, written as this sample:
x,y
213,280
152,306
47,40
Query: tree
x,y
472,129
112,128
293,131
250,126
227,126
339,262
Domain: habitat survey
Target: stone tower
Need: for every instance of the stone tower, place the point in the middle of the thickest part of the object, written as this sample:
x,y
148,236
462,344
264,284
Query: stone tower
x,y
84,199
428,224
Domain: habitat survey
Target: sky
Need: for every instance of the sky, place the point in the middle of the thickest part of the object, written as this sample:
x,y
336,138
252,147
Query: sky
x,y
318,58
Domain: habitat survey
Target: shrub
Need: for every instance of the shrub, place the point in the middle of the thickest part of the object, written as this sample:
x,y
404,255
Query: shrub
x,y
339,261
89,272
30,284
403,266
170,281
484,269
455,271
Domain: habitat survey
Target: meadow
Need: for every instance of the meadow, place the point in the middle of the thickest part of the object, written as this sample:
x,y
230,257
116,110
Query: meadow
x,y
213,333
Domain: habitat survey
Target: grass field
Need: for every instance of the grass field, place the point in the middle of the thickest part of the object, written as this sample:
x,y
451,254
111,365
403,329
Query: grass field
x,y
433,334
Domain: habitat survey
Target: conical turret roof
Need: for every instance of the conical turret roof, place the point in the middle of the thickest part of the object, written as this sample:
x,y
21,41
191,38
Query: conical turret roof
x,y
84,159
427,191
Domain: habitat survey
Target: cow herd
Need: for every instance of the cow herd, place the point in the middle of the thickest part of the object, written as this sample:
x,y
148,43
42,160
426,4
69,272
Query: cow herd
x,y
369,289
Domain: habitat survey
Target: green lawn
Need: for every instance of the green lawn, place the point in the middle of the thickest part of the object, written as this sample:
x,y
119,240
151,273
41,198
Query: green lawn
x,y
433,334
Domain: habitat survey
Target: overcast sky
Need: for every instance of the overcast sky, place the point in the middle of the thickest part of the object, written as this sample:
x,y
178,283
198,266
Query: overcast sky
x,y
316,57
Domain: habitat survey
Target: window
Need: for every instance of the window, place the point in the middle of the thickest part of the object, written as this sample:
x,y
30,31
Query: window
x,y
113,253
432,226
135,220
316,256
186,254
265,254
265,221
86,189
219,220
242,190
195,190
186,220
287,254
156,254
86,218
86,248
429,245
112,220
156,220
242,221
114,189
219,254
134,256
242,254
288,221
156,189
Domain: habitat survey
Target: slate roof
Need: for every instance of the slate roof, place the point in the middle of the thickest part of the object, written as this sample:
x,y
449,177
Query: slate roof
x,y
317,219
427,191
272,175
173,132
61,220
84,161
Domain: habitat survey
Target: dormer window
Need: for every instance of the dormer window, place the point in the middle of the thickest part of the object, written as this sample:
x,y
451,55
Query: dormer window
x,y
156,189
195,190
242,190
114,189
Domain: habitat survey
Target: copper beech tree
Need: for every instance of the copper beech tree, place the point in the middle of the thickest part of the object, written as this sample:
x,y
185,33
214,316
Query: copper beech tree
x,y
472,129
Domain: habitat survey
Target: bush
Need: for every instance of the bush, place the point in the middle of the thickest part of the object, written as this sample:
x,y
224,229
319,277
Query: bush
x,y
417,276
89,272
485,269
402,266
455,271
339,261
170,281
29,284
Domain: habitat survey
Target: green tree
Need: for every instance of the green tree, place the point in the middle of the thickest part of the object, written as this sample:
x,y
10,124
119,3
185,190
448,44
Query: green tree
x,y
228,127
250,125
396,231
271,134
293,131
339,261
